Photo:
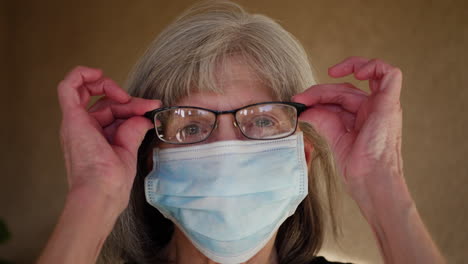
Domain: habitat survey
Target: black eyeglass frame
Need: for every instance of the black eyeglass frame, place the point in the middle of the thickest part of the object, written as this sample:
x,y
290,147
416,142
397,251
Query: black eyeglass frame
x,y
299,109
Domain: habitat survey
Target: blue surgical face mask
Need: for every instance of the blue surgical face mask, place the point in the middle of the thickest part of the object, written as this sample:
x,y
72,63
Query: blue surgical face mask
x,y
229,197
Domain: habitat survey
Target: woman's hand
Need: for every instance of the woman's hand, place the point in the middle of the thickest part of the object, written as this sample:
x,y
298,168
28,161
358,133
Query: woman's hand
x,y
364,130
100,144
100,147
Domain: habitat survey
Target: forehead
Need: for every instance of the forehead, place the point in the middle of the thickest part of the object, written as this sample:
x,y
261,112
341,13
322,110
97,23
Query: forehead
x,y
239,86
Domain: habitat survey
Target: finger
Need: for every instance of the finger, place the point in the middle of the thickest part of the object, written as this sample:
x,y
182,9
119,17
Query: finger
x,y
100,104
108,87
101,111
346,67
107,111
328,123
348,118
111,129
130,134
363,69
373,70
348,98
104,116
84,96
67,88
330,107
390,89
136,106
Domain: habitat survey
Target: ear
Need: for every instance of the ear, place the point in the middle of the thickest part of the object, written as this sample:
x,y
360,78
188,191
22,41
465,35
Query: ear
x,y
308,149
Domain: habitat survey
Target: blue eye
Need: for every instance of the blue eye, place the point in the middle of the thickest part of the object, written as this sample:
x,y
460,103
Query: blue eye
x,y
263,122
191,130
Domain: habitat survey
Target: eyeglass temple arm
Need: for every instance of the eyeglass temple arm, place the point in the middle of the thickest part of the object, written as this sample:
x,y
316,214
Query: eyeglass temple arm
x,y
150,114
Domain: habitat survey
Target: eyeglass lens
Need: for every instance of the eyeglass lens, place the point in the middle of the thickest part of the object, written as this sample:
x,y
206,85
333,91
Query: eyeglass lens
x,y
267,121
190,125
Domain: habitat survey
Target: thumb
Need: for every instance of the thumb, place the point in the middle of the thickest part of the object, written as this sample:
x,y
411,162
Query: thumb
x,y
390,90
131,133
391,83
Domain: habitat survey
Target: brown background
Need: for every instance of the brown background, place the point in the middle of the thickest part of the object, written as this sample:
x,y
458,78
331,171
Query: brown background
x,y
41,40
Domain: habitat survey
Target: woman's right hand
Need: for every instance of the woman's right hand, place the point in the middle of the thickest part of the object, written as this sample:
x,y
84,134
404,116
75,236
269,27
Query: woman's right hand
x,y
100,144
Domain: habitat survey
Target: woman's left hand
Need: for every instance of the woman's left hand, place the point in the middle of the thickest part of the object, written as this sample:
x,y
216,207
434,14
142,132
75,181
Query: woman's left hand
x,y
364,130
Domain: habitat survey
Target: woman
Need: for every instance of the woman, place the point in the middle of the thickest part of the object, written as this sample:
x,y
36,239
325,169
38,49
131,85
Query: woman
x,y
226,174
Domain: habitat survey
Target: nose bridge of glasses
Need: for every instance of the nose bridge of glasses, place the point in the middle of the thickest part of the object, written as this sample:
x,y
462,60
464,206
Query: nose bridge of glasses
x,y
231,114
226,126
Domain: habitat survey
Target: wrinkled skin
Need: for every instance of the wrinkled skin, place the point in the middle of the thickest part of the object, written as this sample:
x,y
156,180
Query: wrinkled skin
x,y
364,130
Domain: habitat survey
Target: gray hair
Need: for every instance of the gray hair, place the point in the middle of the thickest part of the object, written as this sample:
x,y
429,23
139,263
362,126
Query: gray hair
x,y
184,58
187,53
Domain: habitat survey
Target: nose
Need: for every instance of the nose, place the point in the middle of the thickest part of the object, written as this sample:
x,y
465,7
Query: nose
x,y
226,129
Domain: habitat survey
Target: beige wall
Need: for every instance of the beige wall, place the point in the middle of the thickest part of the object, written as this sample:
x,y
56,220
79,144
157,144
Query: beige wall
x,y
42,40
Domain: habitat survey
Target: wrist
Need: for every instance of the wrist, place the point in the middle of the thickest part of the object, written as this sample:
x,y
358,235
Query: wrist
x,y
86,221
107,203
100,195
383,196
397,226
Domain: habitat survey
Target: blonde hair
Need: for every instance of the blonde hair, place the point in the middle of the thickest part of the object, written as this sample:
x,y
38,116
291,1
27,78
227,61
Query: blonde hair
x,y
184,58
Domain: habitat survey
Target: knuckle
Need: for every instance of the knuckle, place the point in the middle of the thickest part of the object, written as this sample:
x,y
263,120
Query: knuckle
x,y
399,108
159,103
397,71
79,68
108,81
340,99
381,62
308,90
396,109
60,85
61,94
375,61
76,70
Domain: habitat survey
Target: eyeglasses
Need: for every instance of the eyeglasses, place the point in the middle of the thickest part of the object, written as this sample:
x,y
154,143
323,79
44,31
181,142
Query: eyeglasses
x,y
261,121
